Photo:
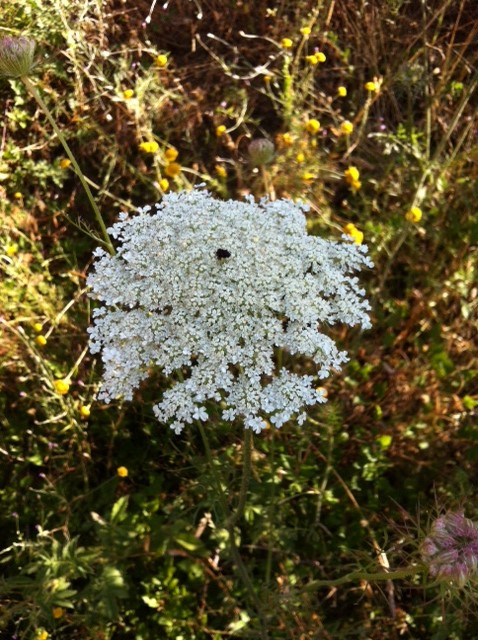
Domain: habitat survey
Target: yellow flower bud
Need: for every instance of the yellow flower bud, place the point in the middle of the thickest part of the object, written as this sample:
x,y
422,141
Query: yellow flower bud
x,y
149,147
65,163
341,91
40,340
172,170
62,386
171,154
306,31
371,86
313,126
122,472
161,60
58,612
346,127
352,174
11,249
414,215
286,43
85,411
164,184
128,94
220,130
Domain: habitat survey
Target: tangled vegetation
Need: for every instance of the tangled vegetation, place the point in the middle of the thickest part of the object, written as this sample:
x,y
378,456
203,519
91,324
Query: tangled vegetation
x,y
113,526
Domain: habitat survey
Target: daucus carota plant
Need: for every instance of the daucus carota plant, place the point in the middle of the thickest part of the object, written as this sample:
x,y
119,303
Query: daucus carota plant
x,y
207,290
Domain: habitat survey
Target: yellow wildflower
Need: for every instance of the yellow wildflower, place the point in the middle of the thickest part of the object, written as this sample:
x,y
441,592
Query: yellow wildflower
x,y
85,411
42,634
286,43
18,195
312,59
342,91
171,154
306,31
173,169
58,612
371,86
65,163
122,472
352,231
313,126
128,94
220,130
220,171
414,215
11,249
164,184
308,177
284,140
352,174
161,60
37,327
300,157
346,127
149,147
321,57
40,340
62,386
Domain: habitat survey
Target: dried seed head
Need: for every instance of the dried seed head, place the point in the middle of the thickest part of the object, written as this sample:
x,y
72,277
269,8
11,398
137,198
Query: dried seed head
x,y
451,548
261,151
16,56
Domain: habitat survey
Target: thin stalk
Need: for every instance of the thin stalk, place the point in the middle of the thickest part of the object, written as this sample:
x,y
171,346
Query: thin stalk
x,y
272,506
379,576
246,474
229,520
33,91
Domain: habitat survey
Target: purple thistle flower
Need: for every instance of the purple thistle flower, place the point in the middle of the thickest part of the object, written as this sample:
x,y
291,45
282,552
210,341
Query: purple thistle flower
x,y
451,548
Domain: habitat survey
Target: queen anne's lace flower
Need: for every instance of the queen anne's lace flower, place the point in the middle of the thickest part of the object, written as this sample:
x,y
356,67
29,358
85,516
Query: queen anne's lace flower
x,y
207,290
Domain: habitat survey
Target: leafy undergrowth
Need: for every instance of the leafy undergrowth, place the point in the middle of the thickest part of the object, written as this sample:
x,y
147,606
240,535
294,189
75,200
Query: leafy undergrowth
x,y
110,525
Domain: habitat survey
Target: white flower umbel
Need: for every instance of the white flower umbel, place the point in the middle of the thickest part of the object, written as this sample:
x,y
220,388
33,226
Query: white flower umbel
x,y
206,290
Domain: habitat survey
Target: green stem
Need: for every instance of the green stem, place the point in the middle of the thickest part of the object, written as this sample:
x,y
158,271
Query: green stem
x,y
229,520
246,474
33,91
379,576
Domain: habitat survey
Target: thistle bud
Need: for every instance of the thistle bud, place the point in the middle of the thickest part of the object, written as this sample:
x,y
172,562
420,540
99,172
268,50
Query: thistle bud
x,y
16,56
451,548
261,151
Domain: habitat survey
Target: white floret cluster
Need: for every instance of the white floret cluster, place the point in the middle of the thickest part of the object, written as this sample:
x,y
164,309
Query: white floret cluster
x,y
207,291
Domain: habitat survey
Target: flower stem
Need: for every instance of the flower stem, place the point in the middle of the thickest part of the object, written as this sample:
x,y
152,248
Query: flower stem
x,y
246,474
399,574
230,519
33,91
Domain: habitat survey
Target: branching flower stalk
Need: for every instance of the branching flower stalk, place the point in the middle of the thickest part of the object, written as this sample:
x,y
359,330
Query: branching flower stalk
x,y
17,59
99,218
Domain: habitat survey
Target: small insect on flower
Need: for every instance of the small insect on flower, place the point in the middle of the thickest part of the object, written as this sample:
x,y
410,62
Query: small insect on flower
x,y
222,254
